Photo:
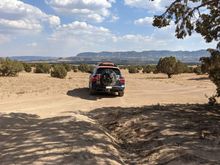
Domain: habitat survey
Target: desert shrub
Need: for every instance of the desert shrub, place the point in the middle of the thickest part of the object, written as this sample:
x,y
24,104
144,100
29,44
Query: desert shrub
x,y
85,68
91,68
183,68
212,67
169,66
74,68
42,68
155,71
205,64
68,67
123,66
189,69
27,67
139,67
9,67
148,69
58,71
133,69
197,70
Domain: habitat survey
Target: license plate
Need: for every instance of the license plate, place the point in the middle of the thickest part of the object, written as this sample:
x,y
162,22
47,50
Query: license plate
x,y
108,87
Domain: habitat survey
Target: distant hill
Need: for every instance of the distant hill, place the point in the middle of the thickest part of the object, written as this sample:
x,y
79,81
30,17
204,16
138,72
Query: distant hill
x,y
127,57
139,57
32,58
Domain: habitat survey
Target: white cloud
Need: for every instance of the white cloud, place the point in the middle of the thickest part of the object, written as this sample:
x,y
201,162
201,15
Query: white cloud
x,y
150,6
80,36
33,44
4,38
114,18
17,16
144,21
94,10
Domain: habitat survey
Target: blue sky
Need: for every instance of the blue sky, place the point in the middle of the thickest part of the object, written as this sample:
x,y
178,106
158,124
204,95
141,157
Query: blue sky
x,y
67,27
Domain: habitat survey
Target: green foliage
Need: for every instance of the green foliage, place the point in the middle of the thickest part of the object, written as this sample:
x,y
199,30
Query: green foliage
x,y
155,71
201,16
139,67
91,68
42,68
189,69
148,69
212,65
133,69
27,67
171,66
9,67
209,63
68,67
59,71
197,70
167,65
74,68
123,66
182,68
85,68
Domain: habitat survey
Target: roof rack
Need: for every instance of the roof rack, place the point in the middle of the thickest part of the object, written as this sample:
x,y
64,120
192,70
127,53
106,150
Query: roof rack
x,y
107,64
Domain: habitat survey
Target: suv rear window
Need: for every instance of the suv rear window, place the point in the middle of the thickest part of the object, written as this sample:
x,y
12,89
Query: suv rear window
x,y
103,70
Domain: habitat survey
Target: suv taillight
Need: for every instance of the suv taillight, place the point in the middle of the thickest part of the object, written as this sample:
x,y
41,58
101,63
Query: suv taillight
x,y
122,80
95,78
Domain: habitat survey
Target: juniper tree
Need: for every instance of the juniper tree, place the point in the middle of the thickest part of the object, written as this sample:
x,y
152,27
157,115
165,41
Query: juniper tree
x,y
201,16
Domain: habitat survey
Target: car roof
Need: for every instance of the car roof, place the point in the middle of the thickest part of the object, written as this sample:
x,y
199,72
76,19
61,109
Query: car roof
x,y
113,67
107,64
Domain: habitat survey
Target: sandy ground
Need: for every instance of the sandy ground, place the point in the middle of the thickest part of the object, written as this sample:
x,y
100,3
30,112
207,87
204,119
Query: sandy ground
x,y
44,120
45,96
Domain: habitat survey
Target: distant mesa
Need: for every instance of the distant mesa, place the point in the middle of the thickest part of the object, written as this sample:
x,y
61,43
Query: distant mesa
x,y
126,57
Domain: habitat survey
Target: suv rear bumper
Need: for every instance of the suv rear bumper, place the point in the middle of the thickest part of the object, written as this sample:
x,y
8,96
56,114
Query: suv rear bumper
x,y
108,88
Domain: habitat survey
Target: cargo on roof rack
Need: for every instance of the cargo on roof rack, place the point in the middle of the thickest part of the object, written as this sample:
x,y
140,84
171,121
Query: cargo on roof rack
x,y
107,64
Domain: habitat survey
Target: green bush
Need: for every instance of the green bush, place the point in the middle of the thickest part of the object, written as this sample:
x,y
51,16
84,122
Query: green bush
x,y
75,68
212,67
171,66
139,67
27,67
198,70
133,69
9,67
148,69
189,69
123,67
68,67
85,68
42,68
59,71
181,68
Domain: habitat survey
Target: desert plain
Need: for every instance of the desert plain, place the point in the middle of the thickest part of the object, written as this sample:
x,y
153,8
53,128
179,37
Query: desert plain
x,y
44,120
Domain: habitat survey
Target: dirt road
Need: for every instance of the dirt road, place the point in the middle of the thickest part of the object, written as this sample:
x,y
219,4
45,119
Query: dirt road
x,y
45,120
45,96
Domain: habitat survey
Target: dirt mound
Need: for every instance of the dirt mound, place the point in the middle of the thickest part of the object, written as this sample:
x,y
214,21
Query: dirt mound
x,y
27,139
172,134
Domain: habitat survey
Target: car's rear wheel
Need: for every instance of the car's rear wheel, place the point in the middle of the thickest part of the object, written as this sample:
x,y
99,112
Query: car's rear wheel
x,y
120,93
91,91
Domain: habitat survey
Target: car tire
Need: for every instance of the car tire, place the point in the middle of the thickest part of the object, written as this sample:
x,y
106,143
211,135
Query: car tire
x,y
120,93
91,91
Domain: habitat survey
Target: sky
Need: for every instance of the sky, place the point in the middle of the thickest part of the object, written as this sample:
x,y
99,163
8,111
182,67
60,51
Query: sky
x,y
62,28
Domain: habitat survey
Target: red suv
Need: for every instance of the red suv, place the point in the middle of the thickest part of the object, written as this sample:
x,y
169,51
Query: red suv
x,y
107,77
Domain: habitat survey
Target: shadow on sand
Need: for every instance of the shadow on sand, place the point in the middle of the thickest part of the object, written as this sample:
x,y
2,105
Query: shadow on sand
x,y
27,139
83,93
199,78
171,134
